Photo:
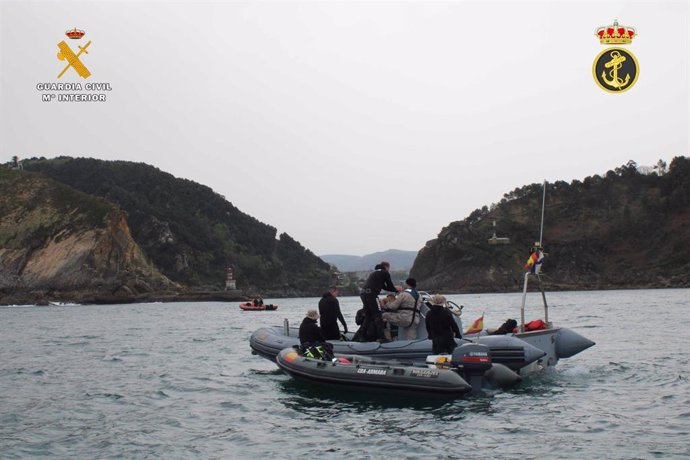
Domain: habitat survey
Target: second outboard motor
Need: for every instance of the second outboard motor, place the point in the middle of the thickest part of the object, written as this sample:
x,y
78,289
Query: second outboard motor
x,y
472,360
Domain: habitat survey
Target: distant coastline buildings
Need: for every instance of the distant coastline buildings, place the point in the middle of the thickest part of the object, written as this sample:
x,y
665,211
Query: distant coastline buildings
x,y
16,163
495,240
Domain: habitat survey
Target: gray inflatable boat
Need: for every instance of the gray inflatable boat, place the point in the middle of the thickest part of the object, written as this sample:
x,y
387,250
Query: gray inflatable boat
x,y
468,370
505,349
524,351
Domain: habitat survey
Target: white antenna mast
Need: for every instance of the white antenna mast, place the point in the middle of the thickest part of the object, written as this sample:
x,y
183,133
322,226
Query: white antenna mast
x,y
543,202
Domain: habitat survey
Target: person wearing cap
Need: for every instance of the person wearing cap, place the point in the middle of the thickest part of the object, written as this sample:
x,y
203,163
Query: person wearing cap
x,y
441,326
310,332
404,310
330,314
378,280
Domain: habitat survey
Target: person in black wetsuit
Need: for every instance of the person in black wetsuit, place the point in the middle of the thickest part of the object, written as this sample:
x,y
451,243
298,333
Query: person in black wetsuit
x,y
441,326
378,280
329,309
310,332
313,342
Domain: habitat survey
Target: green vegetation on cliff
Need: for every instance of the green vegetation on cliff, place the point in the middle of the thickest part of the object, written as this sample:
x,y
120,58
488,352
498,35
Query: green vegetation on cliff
x,y
57,242
626,229
191,233
33,209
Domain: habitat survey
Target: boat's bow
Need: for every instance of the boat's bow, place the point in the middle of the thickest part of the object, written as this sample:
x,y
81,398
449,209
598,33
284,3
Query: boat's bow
x,y
569,343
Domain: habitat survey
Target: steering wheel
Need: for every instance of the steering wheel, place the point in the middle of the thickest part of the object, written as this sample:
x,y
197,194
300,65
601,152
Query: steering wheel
x,y
454,308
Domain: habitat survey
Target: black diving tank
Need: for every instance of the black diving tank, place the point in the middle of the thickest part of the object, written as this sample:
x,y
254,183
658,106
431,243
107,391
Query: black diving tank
x,y
472,361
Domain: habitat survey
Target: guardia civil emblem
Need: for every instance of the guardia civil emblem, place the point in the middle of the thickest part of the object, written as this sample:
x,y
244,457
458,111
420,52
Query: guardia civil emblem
x,y
616,69
72,58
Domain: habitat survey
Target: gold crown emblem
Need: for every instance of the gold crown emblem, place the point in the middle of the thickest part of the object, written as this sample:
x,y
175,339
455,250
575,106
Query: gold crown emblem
x,y
615,33
75,34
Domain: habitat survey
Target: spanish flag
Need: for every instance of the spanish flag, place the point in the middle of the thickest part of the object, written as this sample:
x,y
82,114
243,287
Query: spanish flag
x,y
533,258
477,326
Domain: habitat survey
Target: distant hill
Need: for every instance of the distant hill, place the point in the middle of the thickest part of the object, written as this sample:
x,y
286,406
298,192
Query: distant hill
x,y
191,233
623,230
399,260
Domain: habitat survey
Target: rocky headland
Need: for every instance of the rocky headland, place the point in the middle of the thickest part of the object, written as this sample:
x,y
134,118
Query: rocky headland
x,y
627,229
60,244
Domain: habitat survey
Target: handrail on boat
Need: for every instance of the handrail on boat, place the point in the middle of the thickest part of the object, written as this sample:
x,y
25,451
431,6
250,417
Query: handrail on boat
x,y
524,298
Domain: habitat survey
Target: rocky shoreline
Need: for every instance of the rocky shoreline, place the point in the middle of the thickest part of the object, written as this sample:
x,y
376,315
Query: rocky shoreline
x,y
43,298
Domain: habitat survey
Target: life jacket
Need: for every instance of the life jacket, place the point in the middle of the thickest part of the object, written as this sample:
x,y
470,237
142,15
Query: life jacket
x,y
319,352
535,325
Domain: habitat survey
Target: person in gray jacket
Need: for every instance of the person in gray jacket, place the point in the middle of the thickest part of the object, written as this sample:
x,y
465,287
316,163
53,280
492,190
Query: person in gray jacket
x,y
404,310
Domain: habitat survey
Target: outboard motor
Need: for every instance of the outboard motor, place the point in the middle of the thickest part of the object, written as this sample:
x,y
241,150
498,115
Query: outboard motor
x,y
472,360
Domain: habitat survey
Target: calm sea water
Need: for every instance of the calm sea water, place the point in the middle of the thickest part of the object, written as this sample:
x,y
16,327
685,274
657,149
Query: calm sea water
x,y
178,381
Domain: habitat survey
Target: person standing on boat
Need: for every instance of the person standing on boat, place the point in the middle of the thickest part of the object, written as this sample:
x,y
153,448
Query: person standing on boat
x,y
310,332
330,314
441,326
378,280
404,311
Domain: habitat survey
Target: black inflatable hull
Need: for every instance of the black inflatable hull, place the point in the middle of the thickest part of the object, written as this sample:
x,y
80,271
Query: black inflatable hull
x,y
505,349
363,372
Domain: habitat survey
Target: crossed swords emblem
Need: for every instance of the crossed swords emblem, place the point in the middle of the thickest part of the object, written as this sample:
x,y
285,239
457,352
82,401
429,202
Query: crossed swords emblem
x,y
66,53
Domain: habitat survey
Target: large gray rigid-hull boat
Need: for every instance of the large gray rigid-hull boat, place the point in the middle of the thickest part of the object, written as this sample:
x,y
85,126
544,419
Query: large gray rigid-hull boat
x,y
505,349
523,351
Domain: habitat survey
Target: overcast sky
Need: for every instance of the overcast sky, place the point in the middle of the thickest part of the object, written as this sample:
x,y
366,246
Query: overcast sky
x,y
354,127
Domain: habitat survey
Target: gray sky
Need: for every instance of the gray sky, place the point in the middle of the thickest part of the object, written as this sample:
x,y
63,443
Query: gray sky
x,y
353,126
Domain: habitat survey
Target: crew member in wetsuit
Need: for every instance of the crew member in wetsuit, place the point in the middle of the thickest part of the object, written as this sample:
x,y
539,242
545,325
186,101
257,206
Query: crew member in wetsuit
x,y
378,280
441,326
329,309
313,342
310,332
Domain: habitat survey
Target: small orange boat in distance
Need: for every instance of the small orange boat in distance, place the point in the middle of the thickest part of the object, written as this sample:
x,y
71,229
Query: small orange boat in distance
x,y
249,306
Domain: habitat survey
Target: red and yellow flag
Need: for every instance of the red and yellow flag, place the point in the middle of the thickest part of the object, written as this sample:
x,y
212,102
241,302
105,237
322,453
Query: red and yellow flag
x,y
477,326
532,260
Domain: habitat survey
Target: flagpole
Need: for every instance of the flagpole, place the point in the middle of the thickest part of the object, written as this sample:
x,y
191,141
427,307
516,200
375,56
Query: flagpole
x,y
543,203
536,273
541,248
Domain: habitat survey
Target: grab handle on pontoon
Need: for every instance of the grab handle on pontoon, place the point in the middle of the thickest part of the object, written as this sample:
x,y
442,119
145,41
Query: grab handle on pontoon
x,y
524,298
